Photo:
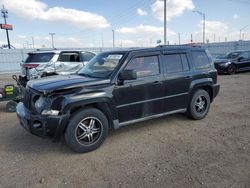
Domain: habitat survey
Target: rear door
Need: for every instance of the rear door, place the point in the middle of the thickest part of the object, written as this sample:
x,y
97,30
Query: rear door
x,y
178,77
143,97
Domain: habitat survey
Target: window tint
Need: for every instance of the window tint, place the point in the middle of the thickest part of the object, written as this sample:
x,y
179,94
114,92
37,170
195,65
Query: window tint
x,y
69,57
144,66
201,60
86,56
244,55
176,63
39,57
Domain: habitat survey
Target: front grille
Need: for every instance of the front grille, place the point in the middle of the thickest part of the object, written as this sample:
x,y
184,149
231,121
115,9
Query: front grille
x,y
30,98
26,99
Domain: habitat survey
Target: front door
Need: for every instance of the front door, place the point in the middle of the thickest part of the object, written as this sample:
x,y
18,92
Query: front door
x,y
143,97
244,61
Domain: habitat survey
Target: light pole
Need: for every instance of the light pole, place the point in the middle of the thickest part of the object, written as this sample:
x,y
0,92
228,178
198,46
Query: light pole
x,y
113,31
165,22
52,39
204,19
243,29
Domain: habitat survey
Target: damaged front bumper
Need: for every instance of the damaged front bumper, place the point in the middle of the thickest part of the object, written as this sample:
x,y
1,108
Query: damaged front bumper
x,y
41,125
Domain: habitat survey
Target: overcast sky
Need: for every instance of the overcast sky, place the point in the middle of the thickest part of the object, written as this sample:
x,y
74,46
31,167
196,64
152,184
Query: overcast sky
x,y
85,23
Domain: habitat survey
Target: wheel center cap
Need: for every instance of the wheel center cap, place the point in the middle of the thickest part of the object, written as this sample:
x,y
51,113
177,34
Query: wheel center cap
x,y
88,131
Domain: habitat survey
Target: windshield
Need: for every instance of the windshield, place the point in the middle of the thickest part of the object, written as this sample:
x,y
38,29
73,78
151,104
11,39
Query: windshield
x,y
102,65
231,55
39,57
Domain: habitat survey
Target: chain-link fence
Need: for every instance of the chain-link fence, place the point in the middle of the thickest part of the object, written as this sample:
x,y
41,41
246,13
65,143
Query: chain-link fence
x,y
10,59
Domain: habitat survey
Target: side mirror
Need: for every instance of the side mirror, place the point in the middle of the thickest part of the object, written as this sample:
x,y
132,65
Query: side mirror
x,y
128,75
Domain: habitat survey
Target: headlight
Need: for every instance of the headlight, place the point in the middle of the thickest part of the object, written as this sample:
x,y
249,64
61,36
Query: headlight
x,y
50,112
39,103
226,63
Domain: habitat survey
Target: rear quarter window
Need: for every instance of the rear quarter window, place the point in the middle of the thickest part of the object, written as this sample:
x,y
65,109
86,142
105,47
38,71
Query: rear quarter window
x,y
39,57
201,60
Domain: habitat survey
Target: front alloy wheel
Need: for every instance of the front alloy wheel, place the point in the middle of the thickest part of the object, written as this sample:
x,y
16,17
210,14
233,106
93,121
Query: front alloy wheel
x,y
87,130
231,69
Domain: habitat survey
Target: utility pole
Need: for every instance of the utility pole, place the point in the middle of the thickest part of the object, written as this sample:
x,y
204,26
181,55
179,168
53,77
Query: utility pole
x,y
165,22
33,43
113,31
204,24
191,39
5,15
52,39
243,29
179,38
102,40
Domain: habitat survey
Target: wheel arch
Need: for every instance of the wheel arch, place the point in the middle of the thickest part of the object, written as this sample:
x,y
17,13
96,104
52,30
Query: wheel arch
x,y
205,84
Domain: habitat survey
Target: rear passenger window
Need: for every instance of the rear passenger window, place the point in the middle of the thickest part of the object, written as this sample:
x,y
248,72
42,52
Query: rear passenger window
x,y
176,63
201,60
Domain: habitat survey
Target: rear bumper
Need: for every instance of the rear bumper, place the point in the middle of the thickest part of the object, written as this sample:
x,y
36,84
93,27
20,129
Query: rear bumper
x,y
40,125
216,89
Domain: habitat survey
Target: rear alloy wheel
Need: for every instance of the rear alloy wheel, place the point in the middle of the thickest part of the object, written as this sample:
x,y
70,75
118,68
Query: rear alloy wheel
x,y
199,105
231,69
86,130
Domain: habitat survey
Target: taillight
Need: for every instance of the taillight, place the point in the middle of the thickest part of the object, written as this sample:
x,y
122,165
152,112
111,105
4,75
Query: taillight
x,y
30,66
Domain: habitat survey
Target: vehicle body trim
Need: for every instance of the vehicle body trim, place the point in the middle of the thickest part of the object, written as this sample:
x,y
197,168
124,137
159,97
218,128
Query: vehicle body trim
x,y
152,117
150,100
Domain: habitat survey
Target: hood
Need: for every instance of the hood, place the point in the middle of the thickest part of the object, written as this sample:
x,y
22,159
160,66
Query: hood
x,y
218,61
52,83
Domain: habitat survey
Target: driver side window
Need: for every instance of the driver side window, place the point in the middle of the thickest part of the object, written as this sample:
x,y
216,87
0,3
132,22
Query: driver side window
x,y
144,66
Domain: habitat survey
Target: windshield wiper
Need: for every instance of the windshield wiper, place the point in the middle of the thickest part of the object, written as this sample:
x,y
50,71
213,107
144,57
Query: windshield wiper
x,y
84,74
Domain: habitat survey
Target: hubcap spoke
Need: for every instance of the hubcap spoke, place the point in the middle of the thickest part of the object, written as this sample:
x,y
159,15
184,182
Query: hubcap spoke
x,y
91,123
95,130
82,136
83,127
90,137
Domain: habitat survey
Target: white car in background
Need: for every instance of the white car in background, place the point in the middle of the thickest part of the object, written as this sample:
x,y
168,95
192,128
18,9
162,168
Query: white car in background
x,y
53,62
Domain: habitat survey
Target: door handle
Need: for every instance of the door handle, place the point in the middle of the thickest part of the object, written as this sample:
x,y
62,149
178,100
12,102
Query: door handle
x,y
157,82
188,77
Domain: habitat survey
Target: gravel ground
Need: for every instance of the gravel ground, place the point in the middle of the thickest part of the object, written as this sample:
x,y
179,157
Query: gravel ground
x,y
171,151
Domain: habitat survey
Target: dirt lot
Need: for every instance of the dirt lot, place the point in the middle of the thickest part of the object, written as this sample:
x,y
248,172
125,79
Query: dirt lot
x,y
171,151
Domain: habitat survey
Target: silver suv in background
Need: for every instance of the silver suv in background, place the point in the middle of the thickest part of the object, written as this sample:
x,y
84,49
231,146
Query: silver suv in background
x,y
42,63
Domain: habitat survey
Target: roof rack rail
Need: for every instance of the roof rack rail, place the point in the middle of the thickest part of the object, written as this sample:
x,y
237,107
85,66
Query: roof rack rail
x,y
197,45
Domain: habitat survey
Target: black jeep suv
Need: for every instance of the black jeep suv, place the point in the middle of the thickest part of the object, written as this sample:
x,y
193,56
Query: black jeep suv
x,y
117,88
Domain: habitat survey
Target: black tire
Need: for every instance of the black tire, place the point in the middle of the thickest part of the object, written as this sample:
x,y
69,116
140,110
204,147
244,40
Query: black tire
x,y
199,105
11,106
86,130
231,69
